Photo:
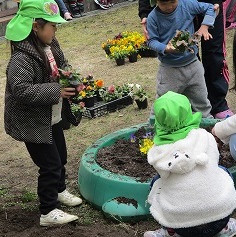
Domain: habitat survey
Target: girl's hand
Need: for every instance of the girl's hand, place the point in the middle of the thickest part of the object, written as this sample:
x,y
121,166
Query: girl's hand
x,y
67,92
203,32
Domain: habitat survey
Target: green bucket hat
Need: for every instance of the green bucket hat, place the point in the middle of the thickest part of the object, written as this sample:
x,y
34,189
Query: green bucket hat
x,y
20,26
173,118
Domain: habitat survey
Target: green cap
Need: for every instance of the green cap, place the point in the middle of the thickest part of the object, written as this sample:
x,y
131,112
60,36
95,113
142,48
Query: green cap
x,y
20,26
173,118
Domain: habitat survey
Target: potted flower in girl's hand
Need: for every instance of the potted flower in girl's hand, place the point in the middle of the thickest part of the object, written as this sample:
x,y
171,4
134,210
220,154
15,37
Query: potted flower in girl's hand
x,y
69,77
77,110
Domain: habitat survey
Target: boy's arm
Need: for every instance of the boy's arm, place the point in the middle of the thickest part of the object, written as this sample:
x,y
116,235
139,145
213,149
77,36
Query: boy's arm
x,y
211,11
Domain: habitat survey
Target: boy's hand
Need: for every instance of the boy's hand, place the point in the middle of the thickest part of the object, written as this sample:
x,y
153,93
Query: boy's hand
x,y
217,8
170,48
203,32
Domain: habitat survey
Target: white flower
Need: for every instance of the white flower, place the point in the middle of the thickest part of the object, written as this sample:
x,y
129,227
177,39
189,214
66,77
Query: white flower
x,y
138,86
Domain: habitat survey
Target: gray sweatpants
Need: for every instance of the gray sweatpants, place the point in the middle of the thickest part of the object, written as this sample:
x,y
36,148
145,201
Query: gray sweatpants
x,y
189,81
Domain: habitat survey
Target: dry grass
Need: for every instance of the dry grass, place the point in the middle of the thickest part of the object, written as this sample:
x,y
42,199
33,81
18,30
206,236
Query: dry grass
x,y
81,42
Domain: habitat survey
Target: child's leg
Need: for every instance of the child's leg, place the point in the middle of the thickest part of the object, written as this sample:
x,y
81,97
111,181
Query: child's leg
x,y
205,230
166,82
232,146
51,160
229,230
196,89
162,232
188,80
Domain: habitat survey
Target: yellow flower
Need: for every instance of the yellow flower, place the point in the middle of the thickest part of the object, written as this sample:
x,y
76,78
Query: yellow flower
x,y
82,93
145,145
89,88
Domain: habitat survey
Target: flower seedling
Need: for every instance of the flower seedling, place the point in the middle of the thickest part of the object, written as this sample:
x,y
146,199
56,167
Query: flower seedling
x,y
183,41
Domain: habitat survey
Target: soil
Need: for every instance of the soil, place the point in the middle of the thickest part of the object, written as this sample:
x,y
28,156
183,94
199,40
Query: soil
x,y
125,158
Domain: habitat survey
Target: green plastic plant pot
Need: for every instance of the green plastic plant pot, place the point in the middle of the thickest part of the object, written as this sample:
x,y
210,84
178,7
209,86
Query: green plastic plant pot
x,y
104,189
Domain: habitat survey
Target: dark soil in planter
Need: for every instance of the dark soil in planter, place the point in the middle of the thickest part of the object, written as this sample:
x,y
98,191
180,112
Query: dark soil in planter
x,y
124,158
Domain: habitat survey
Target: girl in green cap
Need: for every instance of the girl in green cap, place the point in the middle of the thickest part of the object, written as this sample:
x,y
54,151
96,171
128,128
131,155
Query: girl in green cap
x,y
33,102
193,196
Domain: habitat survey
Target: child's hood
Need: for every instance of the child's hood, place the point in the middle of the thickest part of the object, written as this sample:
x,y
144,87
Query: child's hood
x,y
184,155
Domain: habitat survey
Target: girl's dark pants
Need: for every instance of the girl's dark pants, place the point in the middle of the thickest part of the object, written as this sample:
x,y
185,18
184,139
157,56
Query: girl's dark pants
x,y
213,59
51,160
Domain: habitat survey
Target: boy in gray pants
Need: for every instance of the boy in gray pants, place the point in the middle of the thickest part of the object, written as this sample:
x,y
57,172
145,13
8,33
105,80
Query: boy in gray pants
x,y
180,72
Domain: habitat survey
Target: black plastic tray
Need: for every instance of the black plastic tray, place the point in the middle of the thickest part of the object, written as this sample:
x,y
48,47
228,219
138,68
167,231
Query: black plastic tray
x,y
101,108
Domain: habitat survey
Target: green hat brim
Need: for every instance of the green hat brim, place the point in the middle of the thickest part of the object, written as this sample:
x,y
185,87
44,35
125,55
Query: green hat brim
x,y
20,26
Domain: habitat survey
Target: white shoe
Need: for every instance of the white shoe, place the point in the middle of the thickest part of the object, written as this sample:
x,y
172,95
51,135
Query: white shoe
x,y
68,199
159,233
229,230
56,217
67,16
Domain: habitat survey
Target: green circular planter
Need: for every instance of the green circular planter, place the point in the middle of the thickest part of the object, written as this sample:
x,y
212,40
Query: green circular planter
x,y
102,188
105,189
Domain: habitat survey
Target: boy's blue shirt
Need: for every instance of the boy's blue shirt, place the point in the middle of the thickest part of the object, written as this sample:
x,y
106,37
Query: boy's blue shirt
x,y
162,28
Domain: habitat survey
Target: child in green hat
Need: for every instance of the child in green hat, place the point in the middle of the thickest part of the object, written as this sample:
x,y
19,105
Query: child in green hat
x,y
33,102
193,197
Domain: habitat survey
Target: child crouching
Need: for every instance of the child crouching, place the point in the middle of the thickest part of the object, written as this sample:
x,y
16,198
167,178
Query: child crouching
x,y
193,197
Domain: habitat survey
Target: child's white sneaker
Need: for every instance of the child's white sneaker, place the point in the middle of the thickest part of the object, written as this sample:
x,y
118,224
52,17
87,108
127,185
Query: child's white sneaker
x,y
69,199
56,217
229,230
67,16
159,233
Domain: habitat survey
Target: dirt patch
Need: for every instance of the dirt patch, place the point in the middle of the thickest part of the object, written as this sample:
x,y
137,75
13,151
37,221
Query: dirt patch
x,y
21,223
124,158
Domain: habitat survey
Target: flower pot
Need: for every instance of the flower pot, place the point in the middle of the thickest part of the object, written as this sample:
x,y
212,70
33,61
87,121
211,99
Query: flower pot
x,y
98,97
147,53
142,104
75,100
120,61
89,102
74,84
65,123
78,116
133,58
107,50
